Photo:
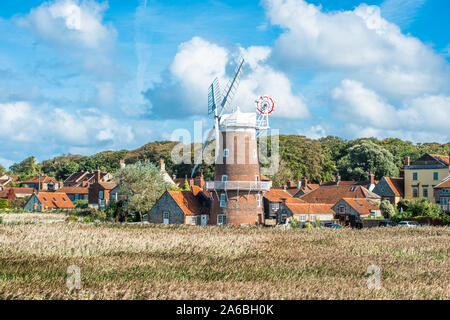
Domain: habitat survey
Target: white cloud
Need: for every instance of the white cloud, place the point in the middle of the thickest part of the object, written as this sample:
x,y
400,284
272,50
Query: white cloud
x,y
313,132
24,123
367,114
360,43
198,62
71,22
106,95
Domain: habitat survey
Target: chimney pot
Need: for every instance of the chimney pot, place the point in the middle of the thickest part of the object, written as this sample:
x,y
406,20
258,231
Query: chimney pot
x,y
162,165
98,176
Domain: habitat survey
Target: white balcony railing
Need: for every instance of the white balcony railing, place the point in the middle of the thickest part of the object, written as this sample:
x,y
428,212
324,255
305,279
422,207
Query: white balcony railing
x,y
239,185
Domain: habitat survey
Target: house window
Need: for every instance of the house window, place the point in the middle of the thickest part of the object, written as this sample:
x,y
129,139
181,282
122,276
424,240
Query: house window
x,y
353,189
224,178
415,193
54,199
165,217
302,218
226,153
258,200
425,192
64,199
275,206
222,200
341,209
77,196
414,175
221,219
435,176
85,197
100,195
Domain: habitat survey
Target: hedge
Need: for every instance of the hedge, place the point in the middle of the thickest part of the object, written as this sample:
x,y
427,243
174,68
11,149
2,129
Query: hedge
x,y
4,203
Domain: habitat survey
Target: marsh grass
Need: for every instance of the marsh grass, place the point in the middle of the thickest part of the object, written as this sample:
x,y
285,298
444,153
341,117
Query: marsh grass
x,y
142,261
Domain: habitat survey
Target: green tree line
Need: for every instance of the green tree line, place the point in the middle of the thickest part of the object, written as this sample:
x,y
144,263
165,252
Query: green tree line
x,y
317,160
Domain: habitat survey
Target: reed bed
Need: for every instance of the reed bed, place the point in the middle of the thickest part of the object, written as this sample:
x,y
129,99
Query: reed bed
x,y
141,261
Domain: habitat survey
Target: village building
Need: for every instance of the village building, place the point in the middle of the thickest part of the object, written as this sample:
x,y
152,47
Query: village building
x,y
115,194
42,182
300,187
331,194
306,212
75,193
5,180
442,194
85,178
272,203
181,207
351,211
424,174
392,189
44,201
368,184
16,192
99,192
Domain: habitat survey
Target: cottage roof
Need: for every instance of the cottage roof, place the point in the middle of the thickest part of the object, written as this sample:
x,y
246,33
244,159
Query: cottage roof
x,y
443,159
108,185
23,190
397,185
310,208
74,190
362,205
42,179
187,202
55,200
445,183
276,195
332,194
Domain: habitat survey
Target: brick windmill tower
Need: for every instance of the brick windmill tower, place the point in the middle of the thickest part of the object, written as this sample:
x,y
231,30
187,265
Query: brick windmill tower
x,y
237,189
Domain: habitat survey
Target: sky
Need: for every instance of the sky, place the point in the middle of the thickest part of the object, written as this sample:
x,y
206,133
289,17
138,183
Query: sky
x,y
84,76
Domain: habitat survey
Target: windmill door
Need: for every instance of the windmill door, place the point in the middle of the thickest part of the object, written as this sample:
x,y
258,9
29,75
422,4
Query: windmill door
x,y
203,219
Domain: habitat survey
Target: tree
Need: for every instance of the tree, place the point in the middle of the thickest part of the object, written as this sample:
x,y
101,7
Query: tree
x,y
25,169
423,208
2,170
142,184
387,209
186,186
364,157
283,175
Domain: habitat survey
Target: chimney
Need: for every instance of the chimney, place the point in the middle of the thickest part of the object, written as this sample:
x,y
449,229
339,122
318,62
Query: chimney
x,y
407,161
162,165
372,178
97,175
299,183
338,178
122,164
305,182
284,187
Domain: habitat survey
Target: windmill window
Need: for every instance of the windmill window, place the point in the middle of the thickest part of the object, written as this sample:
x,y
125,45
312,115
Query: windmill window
x,y
221,219
222,200
258,200
254,153
226,153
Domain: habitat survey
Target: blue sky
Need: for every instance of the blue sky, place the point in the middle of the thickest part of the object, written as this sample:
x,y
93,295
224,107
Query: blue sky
x,y
86,76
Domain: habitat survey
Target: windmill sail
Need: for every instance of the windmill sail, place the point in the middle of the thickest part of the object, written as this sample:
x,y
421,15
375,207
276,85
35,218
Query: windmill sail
x,y
217,105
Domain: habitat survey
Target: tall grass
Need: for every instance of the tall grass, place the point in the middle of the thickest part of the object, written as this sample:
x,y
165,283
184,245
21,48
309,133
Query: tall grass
x,y
138,261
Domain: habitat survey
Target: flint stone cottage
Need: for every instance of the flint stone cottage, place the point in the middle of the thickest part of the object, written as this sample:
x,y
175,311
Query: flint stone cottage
x,y
181,207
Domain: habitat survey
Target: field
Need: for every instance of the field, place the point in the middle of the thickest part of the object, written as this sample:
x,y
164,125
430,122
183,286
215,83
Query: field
x,y
141,261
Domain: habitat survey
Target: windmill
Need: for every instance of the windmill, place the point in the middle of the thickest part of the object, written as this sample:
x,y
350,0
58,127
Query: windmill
x,y
216,107
237,189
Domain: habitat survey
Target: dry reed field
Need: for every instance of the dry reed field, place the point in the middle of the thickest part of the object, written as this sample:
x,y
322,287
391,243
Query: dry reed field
x,y
141,261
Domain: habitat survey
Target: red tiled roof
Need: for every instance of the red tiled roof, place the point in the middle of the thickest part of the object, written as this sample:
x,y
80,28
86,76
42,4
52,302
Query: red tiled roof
x,y
397,185
23,190
332,194
74,190
445,159
294,200
55,200
310,208
275,195
445,183
75,177
187,202
362,205
44,179
265,178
